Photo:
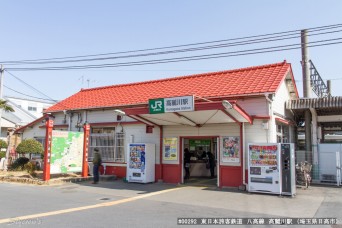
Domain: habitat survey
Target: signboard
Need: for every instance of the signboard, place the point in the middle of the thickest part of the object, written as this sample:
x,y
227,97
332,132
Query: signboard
x,y
231,149
66,152
170,149
172,104
197,143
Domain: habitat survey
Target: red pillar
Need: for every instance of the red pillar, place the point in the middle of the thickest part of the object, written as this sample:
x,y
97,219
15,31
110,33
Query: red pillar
x,y
161,153
47,151
86,130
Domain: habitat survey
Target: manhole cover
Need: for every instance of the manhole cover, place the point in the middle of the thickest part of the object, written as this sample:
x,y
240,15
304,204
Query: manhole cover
x,y
105,199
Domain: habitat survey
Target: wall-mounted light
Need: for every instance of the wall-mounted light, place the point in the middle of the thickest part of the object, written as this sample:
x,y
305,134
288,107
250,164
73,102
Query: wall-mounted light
x,y
226,104
119,112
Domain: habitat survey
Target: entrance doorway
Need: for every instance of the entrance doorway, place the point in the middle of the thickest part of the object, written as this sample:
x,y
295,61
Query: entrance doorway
x,y
203,169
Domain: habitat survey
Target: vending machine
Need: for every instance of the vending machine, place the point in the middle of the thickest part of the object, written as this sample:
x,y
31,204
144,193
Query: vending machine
x,y
141,162
271,168
263,167
288,169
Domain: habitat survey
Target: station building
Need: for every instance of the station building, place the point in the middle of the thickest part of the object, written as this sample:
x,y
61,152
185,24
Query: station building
x,y
220,112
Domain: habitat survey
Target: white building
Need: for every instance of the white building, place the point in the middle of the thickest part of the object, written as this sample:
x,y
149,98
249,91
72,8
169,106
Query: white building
x,y
237,106
25,111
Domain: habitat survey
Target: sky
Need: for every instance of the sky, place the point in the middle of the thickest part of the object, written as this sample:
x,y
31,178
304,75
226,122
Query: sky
x,y
48,29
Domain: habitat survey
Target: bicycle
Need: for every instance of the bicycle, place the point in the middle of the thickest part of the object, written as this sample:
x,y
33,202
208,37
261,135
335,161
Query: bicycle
x,y
303,176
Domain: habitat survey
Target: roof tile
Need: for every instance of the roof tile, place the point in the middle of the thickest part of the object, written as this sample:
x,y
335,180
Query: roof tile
x,y
245,81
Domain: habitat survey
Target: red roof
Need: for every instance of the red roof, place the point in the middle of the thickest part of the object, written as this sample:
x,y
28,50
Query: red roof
x,y
239,82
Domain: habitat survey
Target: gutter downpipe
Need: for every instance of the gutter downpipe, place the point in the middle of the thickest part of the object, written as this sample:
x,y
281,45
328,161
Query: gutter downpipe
x,y
270,111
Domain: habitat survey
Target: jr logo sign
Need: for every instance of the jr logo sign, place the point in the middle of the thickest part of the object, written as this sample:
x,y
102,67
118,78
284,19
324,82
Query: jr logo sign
x,y
156,106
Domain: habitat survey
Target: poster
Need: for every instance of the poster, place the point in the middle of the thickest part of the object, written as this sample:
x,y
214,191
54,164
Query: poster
x,y
170,149
231,149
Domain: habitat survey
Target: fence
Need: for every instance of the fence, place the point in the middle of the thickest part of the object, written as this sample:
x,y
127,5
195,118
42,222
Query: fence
x,y
327,169
329,161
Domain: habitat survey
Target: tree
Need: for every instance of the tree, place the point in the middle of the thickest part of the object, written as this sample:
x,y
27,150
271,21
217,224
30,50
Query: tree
x,y
30,146
5,106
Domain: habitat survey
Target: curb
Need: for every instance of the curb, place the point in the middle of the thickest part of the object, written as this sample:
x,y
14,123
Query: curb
x,y
25,180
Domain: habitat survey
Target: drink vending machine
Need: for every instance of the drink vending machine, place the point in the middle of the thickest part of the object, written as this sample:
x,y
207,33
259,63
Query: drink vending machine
x,y
271,168
141,162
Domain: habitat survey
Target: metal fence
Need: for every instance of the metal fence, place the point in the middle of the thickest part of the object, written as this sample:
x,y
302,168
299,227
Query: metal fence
x,y
326,164
329,162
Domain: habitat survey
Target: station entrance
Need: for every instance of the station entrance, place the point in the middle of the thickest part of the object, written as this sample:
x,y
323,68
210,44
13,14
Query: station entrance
x,y
201,161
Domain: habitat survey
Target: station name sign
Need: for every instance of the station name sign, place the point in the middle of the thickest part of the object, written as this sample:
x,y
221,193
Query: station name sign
x,y
171,104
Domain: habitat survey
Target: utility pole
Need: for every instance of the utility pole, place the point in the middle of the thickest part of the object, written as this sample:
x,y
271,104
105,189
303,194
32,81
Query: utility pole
x,y
307,94
305,65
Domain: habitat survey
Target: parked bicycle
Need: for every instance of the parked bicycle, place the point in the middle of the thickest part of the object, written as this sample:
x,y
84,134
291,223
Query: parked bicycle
x,y
303,176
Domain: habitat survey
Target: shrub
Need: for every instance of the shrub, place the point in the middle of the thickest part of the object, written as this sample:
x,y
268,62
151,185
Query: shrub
x,y
2,154
19,163
29,146
3,144
30,167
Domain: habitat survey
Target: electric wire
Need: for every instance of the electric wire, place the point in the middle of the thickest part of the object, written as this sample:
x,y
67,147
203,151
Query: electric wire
x,y
176,46
188,58
254,41
29,85
175,51
286,35
28,95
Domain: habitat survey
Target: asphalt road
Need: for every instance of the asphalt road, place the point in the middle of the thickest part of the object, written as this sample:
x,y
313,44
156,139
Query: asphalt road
x,y
119,204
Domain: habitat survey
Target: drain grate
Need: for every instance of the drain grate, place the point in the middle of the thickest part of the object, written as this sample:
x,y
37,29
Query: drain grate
x,y
105,199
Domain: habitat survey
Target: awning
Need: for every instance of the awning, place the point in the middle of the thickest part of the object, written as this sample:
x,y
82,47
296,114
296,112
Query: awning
x,y
328,110
205,113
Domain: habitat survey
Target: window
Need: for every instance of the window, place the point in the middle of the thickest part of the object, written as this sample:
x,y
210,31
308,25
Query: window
x,y
110,144
33,109
282,133
41,140
120,147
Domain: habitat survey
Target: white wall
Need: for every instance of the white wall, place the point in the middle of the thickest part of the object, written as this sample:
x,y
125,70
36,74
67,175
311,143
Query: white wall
x,y
35,131
138,132
280,98
24,104
206,130
103,116
254,106
278,106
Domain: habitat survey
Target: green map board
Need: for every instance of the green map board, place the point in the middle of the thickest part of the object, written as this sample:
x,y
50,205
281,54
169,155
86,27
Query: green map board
x,y
66,152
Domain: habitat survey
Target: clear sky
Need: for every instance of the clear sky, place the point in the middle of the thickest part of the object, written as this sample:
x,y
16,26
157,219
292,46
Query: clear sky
x,y
44,29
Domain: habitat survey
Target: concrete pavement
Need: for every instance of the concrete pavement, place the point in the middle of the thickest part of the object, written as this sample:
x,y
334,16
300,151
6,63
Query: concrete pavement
x,y
119,204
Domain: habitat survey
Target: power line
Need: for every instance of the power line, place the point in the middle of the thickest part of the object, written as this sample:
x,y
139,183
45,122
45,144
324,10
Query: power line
x,y
49,98
29,95
177,46
189,58
29,85
253,41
